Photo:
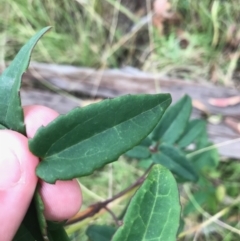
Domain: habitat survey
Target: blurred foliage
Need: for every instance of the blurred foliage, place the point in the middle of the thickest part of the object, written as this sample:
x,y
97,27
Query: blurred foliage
x,y
202,44
78,35
198,39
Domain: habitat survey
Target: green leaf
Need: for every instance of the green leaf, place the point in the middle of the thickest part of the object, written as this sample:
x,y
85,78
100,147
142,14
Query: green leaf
x,y
100,233
87,138
54,225
146,142
40,209
206,161
174,121
192,131
181,226
34,225
23,234
145,163
30,226
2,127
139,152
175,161
202,141
154,211
11,113
58,233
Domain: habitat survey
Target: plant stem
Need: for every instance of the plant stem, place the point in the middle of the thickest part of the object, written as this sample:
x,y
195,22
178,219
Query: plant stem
x,y
118,223
95,208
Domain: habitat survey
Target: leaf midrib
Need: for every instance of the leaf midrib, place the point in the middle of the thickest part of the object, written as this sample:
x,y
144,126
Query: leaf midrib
x,y
154,205
150,216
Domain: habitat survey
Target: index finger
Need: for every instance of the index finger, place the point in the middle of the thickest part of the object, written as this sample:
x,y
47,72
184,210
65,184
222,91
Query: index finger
x,y
36,116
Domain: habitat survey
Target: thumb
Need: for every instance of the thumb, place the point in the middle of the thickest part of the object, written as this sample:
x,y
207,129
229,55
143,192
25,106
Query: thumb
x,y
17,181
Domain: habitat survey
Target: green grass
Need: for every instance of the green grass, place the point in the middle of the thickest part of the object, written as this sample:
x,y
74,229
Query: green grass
x,y
210,33
85,33
80,35
223,201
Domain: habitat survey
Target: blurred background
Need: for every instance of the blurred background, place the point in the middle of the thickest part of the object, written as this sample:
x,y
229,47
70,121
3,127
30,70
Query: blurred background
x,y
185,38
104,48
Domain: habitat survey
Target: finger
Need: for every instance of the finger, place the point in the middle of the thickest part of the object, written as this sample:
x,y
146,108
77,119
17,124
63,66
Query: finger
x,y
17,181
36,116
63,199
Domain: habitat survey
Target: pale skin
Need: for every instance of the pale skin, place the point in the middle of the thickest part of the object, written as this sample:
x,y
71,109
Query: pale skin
x,y
18,179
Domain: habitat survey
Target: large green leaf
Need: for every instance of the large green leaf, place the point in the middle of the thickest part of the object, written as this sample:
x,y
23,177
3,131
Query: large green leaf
x,y
87,138
192,131
11,113
175,161
100,233
174,121
154,211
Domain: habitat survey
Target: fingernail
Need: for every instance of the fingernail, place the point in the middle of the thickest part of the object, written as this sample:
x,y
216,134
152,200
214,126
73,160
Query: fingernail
x,y
10,169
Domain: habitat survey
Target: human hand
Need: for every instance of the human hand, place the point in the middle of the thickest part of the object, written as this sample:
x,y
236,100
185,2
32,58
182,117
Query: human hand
x,y
18,179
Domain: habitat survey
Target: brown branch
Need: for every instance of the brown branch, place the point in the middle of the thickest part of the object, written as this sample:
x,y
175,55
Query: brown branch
x,y
95,208
118,222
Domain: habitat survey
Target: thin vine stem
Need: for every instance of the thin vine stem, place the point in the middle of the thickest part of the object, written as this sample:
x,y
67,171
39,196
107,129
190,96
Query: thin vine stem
x,y
95,208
